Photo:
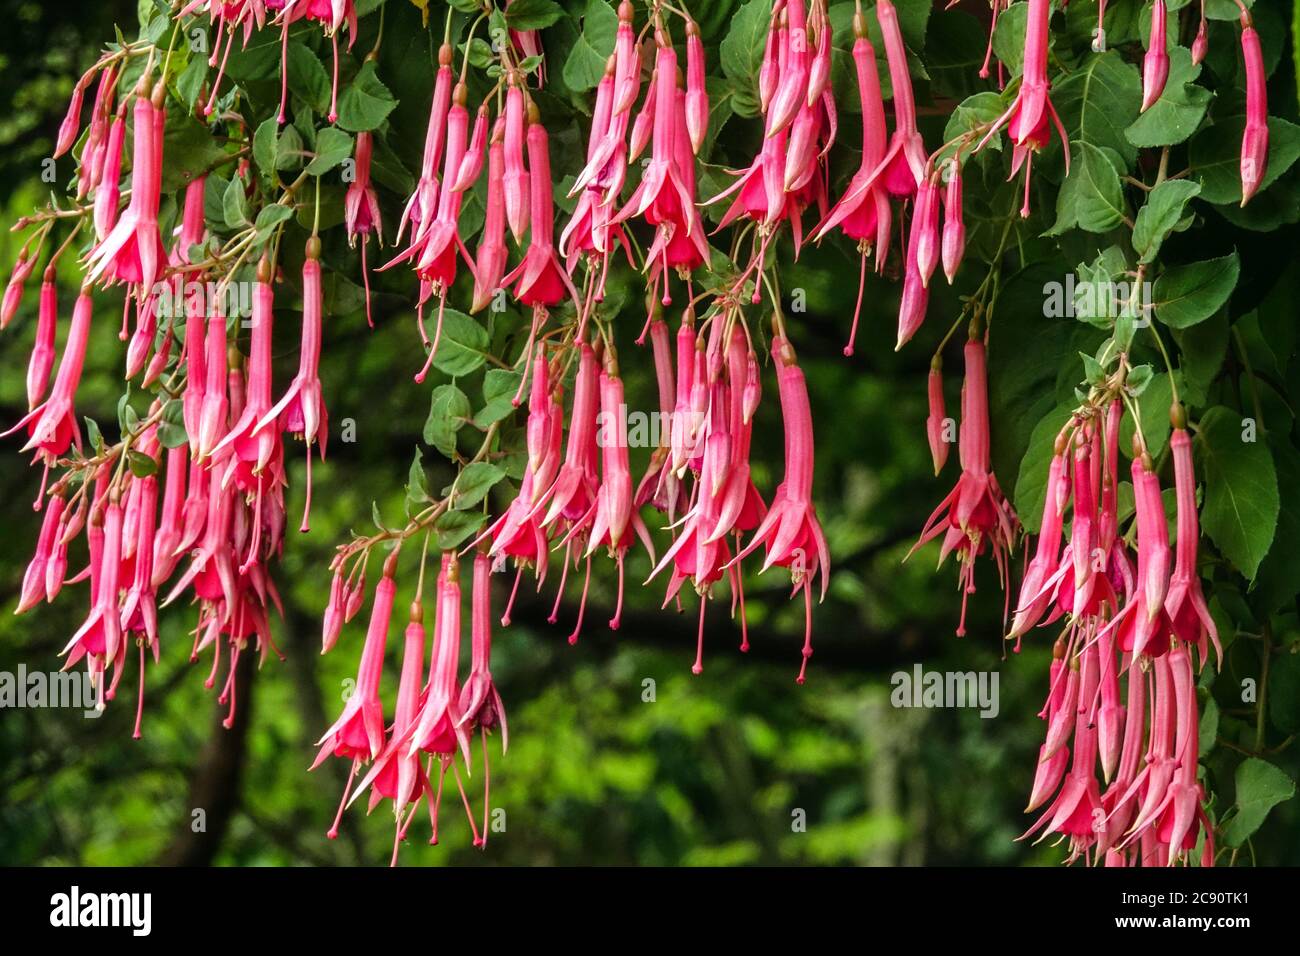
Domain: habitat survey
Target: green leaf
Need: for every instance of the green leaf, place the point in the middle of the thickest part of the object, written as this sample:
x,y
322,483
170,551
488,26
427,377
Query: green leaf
x,y
190,83
1161,215
978,110
417,486
1279,574
586,62
288,149
741,52
1031,482
1215,156
270,217
307,77
454,528
463,346
94,435
171,427
1099,100
234,204
448,410
532,14
1208,729
473,484
141,465
1241,505
264,148
366,102
332,147
1009,36
1260,787
1091,197
190,151
1179,111
1187,294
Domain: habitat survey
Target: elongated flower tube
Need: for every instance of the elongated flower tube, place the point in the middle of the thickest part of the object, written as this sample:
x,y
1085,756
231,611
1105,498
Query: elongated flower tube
x,y
1052,764
925,229
516,182
359,731
133,252
302,410
863,212
975,515
490,257
41,362
422,205
1189,615
52,426
954,225
361,214
539,280
109,191
905,161
439,729
1027,118
697,97
1254,140
1155,64
104,614
1035,591
33,586
936,421
24,266
480,701
792,84
791,533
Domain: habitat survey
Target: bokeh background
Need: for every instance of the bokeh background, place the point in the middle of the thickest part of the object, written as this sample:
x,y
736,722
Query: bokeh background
x,y
718,769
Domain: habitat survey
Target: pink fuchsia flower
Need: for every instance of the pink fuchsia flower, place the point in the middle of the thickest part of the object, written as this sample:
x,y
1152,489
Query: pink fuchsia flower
x,y
396,774
1201,42
109,191
105,617
24,266
133,251
937,421
93,151
422,205
905,161
33,588
1027,117
302,410
1155,64
480,701
863,212
616,517
1254,140
52,425
539,280
358,733
1189,615
41,362
954,226
697,96
791,533
1063,686
516,182
1143,619
793,59
331,15
490,257
171,520
1035,587
975,515
361,214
